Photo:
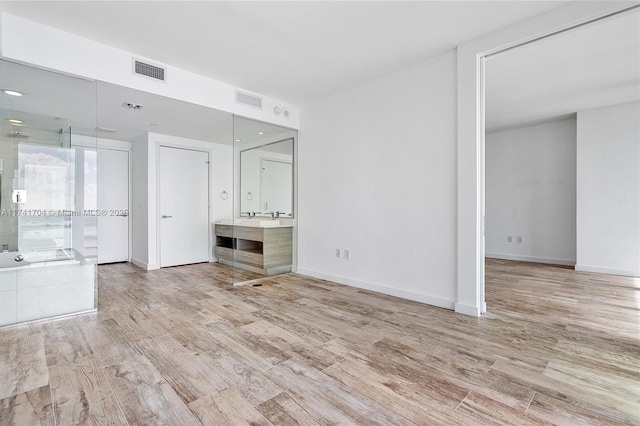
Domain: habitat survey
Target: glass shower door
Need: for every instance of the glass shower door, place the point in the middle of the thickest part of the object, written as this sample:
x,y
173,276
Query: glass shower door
x,y
45,271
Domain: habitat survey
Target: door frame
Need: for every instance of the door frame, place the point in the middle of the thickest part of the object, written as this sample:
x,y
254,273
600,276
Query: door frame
x,y
471,138
190,145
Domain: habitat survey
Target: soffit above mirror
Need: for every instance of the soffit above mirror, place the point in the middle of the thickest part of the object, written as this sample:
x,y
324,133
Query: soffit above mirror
x,y
47,93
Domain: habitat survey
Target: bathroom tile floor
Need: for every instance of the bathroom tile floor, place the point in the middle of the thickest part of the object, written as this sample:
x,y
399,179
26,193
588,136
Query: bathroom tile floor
x,y
181,346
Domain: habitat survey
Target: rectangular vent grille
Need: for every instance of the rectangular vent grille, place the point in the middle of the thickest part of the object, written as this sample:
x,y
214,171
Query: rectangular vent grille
x,y
243,98
148,70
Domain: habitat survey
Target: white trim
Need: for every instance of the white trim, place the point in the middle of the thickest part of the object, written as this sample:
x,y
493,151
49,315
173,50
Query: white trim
x,y
379,288
144,265
473,311
139,263
608,271
47,319
551,261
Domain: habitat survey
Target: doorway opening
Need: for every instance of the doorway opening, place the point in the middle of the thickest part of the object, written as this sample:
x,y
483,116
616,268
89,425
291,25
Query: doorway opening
x,y
552,186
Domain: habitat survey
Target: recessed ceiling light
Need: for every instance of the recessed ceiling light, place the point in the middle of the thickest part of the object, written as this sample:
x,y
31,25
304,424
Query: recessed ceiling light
x,y
12,93
15,121
261,133
237,140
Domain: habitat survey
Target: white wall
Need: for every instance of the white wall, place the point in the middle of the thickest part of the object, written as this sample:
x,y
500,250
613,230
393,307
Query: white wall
x,y
146,238
608,182
530,182
377,176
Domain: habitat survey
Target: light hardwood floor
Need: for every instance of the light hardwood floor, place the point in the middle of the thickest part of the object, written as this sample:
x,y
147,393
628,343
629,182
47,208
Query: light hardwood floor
x,y
180,346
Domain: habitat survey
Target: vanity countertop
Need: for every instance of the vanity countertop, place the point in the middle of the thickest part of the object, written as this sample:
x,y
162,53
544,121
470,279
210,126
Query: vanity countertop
x,y
258,222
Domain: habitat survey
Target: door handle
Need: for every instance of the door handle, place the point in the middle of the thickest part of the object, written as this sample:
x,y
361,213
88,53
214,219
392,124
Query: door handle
x,y
164,216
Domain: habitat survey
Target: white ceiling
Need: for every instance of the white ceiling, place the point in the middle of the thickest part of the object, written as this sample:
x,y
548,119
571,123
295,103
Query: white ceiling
x,y
589,67
302,51
159,114
294,51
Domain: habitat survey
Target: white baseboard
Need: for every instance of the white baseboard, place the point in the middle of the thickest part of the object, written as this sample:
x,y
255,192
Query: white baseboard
x,y
144,265
473,311
379,288
609,271
139,263
550,261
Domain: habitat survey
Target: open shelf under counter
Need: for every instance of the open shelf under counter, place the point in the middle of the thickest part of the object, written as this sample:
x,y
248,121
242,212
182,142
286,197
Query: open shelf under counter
x,y
263,250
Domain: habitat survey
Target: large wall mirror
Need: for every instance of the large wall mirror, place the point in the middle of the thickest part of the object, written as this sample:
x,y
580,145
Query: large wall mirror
x,y
266,179
264,169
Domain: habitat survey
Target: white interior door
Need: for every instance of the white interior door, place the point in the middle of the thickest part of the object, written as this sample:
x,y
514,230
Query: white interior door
x,y
184,206
113,205
276,186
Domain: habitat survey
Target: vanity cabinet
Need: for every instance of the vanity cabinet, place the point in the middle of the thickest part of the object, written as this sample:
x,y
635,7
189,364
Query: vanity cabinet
x,y
266,251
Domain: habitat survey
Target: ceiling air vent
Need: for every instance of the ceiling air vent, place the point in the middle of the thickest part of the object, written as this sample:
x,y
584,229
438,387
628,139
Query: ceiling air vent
x,y
243,98
148,70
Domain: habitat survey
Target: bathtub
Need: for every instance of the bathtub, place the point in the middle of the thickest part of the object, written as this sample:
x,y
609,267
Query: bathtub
x,y
45,284
10,259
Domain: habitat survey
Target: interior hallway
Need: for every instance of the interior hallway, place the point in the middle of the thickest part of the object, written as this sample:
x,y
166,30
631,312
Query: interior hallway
x,y
181,346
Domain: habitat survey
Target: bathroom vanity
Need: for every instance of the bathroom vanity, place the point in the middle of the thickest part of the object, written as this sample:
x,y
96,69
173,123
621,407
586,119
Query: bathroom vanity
x,y
263,247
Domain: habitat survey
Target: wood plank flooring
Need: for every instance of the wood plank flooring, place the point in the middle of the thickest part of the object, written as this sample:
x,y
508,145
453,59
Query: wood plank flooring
x,y
180,346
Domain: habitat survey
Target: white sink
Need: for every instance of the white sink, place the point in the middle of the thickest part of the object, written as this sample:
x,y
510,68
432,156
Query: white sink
x,y
258,223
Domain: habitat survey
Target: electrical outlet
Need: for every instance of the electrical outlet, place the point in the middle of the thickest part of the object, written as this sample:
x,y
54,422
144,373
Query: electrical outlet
x,y
519,240
509,239
347,254
337,252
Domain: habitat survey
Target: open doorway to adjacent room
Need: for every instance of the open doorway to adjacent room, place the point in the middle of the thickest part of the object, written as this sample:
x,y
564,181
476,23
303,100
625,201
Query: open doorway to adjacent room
x,y
562,155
